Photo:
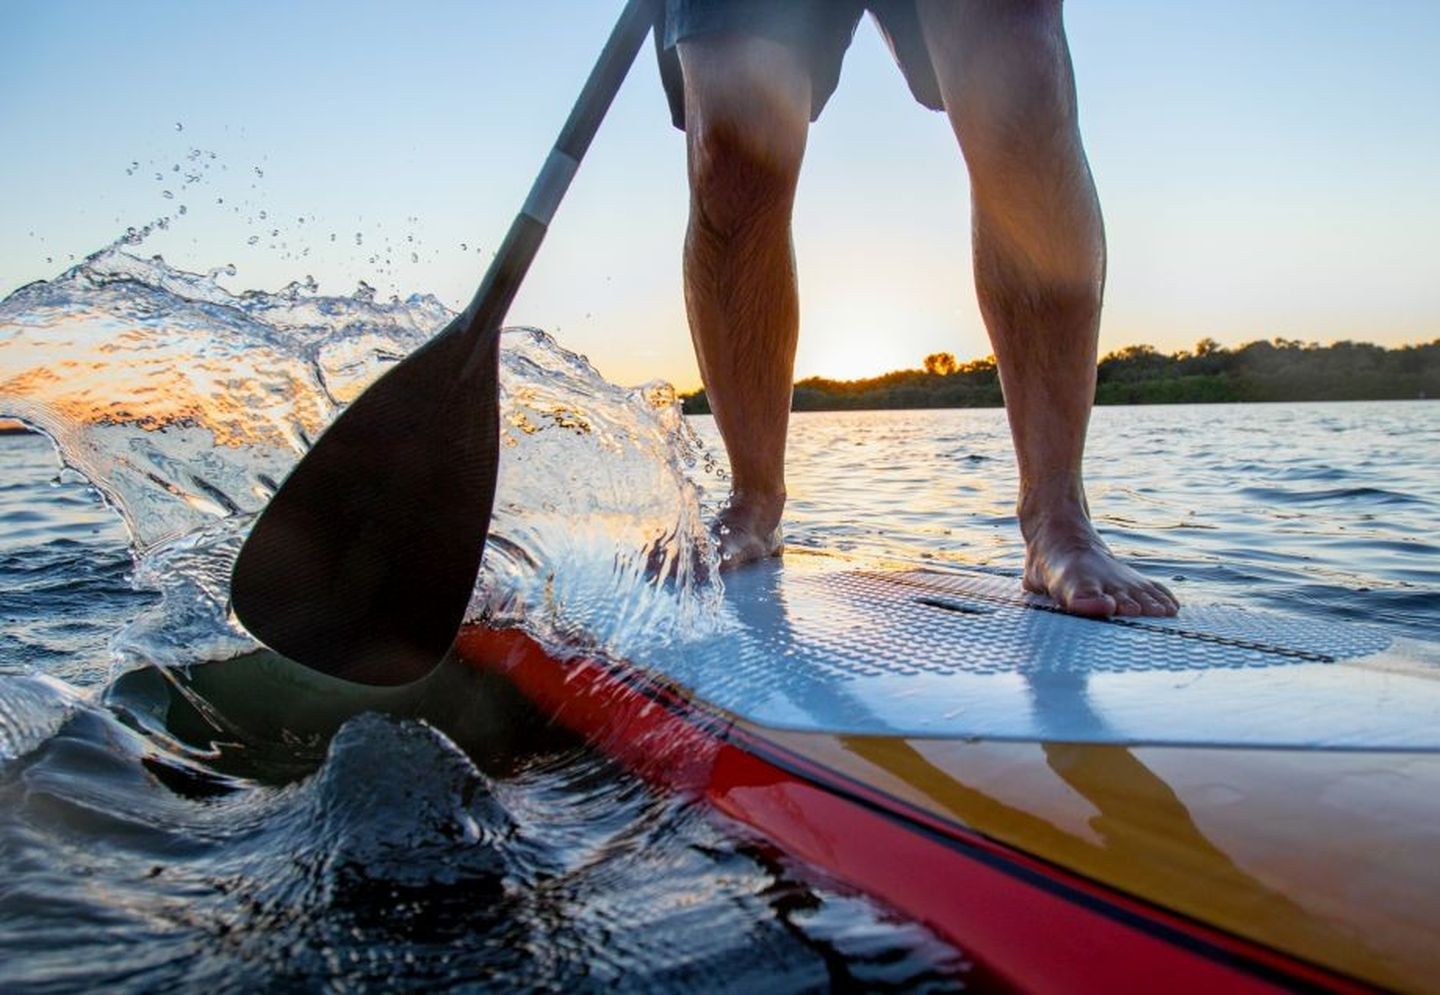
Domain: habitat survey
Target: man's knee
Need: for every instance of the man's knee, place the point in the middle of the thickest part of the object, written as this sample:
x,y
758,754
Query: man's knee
x,y
737,178
747,113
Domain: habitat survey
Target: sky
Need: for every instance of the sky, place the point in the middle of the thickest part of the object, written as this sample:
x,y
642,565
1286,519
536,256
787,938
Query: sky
x,y
1266,167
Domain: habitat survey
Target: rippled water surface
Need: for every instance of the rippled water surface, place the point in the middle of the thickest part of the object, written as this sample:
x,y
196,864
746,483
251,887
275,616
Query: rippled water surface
x,y
164,825
1326,508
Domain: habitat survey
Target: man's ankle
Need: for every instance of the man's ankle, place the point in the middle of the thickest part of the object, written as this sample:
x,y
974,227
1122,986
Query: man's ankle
x,y
1051,503
756,499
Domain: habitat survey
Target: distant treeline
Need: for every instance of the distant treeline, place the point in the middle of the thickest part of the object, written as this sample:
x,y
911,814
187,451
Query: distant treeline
x,y
1278,370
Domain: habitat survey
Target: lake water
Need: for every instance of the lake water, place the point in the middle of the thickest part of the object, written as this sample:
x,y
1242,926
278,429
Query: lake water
x,y
1330,509
147,845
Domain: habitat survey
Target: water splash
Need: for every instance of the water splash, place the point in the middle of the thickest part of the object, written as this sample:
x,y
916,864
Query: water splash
x,y
599,556
185,405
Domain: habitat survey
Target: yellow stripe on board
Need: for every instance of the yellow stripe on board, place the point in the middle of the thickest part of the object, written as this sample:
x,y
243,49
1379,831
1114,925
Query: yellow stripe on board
x,y
1333,857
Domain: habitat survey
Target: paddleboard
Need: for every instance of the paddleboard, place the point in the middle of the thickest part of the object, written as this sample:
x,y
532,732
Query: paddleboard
x,y
1230,800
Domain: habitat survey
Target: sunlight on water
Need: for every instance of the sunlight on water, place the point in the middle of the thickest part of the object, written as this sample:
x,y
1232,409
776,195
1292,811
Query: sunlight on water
x,y
186,405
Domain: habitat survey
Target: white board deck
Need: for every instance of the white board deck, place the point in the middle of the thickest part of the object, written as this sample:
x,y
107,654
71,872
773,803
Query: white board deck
x,y
923,653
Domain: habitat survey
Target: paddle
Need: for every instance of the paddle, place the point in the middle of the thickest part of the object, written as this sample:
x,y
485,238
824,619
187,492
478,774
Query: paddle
x,y
363,562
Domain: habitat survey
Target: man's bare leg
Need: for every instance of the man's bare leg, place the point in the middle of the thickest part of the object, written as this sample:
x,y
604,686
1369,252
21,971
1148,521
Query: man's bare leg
x,y
1039,254
747,112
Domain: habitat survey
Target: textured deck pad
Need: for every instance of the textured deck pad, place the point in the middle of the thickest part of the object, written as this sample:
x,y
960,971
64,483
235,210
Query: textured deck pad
x,y
922,653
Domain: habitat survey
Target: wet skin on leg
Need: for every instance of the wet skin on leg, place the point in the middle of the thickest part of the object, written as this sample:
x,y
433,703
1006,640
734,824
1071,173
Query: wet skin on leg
x,y
1039,257
747,114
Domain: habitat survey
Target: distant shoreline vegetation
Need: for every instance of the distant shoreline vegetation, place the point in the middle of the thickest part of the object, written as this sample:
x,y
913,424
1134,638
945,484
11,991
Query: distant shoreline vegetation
x,y
1277,370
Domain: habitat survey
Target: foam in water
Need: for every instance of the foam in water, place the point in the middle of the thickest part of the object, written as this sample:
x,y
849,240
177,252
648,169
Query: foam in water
x,y
186,404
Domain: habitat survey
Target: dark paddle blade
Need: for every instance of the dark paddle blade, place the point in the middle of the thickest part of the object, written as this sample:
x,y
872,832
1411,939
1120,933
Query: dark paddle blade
x,y
363,563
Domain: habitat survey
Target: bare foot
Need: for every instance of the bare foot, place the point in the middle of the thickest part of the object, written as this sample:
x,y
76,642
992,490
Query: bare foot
x,y
748,529
1066,559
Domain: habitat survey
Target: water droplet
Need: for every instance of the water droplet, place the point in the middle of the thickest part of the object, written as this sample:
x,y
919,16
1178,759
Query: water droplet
x,y
259,172
464,247
332,236
253,240
727,556
179,126
167,195
359,239
724,530
183,209
263,215
414,257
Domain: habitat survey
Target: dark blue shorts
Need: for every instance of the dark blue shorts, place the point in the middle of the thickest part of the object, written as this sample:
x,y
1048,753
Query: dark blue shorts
x,y
820,30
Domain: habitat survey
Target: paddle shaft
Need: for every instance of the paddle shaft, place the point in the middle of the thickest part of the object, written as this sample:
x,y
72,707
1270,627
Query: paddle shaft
x,y
512,261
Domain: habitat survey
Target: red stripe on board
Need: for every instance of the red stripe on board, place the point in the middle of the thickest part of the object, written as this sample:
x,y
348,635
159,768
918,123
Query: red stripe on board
x,y
1029,923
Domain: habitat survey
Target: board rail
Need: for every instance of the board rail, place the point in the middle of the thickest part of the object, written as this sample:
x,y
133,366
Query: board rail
x,y
1026,922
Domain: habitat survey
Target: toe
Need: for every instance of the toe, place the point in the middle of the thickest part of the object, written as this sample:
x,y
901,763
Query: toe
x,y
1091,604
1160,594
1152,606
1128,605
